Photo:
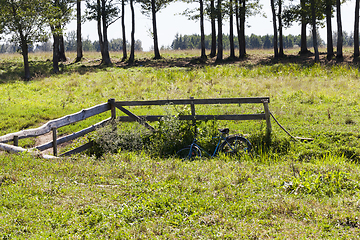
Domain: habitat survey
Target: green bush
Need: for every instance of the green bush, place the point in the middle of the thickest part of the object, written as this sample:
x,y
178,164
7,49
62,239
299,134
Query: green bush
x,y
170,135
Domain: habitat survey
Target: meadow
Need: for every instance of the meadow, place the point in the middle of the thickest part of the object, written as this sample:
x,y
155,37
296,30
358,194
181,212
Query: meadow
x,y
285,189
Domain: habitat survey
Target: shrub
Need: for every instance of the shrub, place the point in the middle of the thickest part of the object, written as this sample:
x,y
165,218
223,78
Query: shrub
x,y
170,135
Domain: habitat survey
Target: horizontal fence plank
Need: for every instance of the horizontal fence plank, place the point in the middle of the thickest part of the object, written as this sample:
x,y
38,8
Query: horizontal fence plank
x,y
78,149
195,101
57,123
74,135
154,118
16,149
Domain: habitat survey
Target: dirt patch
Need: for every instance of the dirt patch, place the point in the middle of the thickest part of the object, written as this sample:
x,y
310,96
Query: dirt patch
x,y
46,138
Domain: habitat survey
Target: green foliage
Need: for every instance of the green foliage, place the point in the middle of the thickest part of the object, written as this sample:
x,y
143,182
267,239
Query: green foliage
x,y
320,183
184,42
169,136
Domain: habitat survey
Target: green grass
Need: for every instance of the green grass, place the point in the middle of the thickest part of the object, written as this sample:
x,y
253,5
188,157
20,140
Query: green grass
x,y
130,195
285,190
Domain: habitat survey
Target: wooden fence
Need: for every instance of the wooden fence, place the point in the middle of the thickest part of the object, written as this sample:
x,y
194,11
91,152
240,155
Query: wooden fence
x,y
111,105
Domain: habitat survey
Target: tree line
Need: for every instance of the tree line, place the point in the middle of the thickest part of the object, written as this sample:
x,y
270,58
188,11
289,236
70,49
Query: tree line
x,y
70,45
32,21
183,42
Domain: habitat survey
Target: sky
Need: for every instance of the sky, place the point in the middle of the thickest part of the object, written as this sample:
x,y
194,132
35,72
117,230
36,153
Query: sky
x,y
170,22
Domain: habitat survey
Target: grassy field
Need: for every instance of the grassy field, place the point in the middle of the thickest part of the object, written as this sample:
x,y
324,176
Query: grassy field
x,y
285,190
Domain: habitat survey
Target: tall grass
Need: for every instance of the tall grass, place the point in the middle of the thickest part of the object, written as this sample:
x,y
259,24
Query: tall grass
x,y
284,190
128,196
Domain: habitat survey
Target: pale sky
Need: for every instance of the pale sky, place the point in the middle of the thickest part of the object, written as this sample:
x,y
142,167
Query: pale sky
x,y
169,23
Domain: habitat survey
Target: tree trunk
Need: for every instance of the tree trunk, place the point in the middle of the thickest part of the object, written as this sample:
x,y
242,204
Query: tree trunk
x,y
339,53
98,21
156,44
213,29
56,53
242,29
303,47
132,50
356,29
62,57
25,54
123,30
313,18
237,16
329,41
231,35
219,56
281,43
276,53
79,51
202,31
106,57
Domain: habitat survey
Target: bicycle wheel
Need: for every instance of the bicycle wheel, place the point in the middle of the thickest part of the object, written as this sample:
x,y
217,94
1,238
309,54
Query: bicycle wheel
x,y
235,145
189,153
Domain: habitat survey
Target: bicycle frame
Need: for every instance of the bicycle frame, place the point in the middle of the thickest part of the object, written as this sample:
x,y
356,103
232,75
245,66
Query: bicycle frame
x,y
221,137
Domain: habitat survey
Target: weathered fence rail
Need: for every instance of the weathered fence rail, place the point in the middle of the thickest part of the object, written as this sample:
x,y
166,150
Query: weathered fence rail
x,y
111,105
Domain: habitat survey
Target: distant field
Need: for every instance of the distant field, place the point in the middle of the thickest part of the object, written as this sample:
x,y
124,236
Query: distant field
x,y
285,190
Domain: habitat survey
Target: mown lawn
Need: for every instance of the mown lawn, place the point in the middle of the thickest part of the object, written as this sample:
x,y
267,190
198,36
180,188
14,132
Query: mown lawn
x,y
284,190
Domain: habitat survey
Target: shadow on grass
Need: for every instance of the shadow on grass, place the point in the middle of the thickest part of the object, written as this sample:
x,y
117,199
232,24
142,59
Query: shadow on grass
x,y
14,70
11,71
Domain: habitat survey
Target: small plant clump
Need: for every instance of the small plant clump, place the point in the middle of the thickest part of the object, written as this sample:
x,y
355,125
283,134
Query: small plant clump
x,y
326,183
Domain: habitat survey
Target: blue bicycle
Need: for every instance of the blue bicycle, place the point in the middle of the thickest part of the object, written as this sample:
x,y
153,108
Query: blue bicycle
x,y
232,145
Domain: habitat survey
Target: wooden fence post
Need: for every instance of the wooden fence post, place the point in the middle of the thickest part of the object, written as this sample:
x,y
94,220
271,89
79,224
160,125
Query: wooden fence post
x,y
54,141
193,114
267,116
16,140
111,101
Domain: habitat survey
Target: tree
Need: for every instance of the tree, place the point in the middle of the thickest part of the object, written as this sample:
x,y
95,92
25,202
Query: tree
x,y
195,14
79,49
356,29
276,52
105,13
314,31
281,42
231,35
219,56
244,9
303,14
152,7
255,42
267,42
132,48
71,41
339,53
123,30
304,22
202,31
242,42
213,28
58,14
328,15
22,20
